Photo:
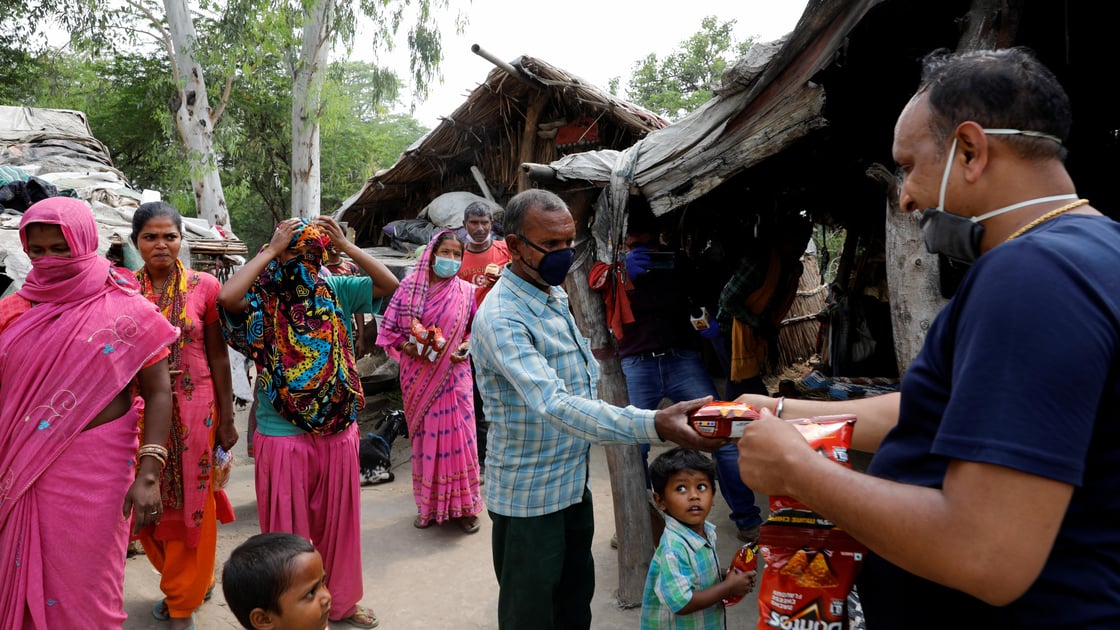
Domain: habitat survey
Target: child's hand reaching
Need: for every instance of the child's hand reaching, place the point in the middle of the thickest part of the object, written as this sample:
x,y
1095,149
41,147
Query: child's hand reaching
x,y
739,583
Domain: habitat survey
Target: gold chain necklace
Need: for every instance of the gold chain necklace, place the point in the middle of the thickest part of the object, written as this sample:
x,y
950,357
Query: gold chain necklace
x,y
1046,217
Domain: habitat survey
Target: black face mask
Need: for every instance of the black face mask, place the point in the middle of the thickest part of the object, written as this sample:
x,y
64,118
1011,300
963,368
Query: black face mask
x,y
554,265
951,235
956,237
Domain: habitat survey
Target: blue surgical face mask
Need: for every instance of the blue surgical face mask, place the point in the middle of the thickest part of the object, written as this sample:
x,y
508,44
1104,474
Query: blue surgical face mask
x,y
554,265
446,267
958,237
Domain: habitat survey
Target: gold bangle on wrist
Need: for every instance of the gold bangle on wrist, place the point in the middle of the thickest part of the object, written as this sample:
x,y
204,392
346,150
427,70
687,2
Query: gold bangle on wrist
x,y
158,452
161,460
159,449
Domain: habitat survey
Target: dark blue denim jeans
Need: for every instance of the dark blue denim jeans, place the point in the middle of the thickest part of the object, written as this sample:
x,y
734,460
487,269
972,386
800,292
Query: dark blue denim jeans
x,y
680,375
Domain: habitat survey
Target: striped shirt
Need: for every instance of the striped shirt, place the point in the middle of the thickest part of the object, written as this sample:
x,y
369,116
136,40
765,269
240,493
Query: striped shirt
x,y
538,380
685,562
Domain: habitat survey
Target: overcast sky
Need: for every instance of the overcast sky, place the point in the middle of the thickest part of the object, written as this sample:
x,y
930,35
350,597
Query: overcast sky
x,y
592,39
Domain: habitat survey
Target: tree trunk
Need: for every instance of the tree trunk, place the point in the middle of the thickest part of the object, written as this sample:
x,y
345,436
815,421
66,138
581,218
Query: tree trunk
x,y
913,273
526,152
307,88
628,489
192,115
913,276
991,24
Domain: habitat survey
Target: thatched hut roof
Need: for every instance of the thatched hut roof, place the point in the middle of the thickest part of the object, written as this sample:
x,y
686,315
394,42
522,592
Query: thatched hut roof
x,y
800,121
525,111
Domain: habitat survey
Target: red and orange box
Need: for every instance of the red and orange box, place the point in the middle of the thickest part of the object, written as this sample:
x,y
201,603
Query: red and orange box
x,y
721,419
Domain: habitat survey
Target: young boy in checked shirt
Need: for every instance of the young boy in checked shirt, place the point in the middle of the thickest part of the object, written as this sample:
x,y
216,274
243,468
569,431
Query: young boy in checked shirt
x,y
684,589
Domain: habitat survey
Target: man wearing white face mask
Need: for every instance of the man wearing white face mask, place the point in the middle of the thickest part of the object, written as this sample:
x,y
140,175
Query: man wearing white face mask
x,y
991,501
538,381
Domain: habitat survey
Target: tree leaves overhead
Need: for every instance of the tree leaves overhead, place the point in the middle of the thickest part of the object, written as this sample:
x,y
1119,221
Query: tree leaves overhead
x,y
117,68
686,78
125,99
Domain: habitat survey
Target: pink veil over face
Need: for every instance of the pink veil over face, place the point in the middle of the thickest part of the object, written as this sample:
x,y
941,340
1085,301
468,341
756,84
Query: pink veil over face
x,y
75,218
62,280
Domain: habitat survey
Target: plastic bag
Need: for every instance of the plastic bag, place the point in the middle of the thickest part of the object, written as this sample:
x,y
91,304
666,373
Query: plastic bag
x,y
223,464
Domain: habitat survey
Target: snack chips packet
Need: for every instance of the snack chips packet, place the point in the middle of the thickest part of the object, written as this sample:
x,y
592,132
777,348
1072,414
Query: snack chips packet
x,y
745,561
831,436
722,419
417,333
429,341
807,576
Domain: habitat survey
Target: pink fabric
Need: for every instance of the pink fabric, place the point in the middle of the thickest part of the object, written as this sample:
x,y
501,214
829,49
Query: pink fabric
x,y
194,393
97,325
438,396
71,553
310,485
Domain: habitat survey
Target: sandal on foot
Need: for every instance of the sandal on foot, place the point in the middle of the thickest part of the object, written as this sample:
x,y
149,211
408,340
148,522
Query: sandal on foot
x,y
420,523
362,618
160,611
469,524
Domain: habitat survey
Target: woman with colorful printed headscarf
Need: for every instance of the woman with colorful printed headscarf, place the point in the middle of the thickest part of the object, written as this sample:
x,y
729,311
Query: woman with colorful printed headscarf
x,y
182,545
294,321
76,342
438,396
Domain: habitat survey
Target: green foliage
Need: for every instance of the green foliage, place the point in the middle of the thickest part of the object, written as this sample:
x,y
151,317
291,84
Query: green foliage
x,y
125,99
830,243
686,78
17,74
118,72
357,136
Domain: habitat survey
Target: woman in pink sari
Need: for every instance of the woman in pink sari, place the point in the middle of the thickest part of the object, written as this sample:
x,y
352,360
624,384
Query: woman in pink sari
x,y
438,399
73,340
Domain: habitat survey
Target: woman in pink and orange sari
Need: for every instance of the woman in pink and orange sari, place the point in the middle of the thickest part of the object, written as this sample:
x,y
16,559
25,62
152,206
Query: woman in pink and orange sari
x,y
438,399
73,341
181,547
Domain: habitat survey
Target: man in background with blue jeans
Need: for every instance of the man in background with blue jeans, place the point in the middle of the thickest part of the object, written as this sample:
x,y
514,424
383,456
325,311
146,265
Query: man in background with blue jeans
x,y
660,350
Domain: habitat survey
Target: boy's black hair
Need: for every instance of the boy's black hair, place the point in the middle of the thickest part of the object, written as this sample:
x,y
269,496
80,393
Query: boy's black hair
x,y
674,461
259,570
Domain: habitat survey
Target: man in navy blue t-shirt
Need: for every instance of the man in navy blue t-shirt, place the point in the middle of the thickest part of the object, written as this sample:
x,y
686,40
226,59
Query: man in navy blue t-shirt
x,y
994,494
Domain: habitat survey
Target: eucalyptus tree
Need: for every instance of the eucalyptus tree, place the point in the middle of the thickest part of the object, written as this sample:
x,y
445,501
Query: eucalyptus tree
x,y
319,25
301,32
359,136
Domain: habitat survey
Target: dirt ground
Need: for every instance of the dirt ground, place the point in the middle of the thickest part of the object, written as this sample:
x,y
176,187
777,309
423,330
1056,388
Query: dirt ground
x,y
420,579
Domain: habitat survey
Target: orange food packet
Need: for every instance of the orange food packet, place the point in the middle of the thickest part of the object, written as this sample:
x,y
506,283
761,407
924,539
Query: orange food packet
x,y
807,576
418,333
831,436
722,419
745,561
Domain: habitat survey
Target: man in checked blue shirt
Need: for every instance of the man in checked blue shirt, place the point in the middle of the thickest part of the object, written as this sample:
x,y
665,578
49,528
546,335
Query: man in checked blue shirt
x,y
538,383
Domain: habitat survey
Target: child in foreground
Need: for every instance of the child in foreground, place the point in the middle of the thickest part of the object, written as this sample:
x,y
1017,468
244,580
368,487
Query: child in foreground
x,y
684,588
276,582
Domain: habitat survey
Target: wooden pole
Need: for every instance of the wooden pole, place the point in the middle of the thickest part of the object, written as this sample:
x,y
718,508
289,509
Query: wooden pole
x,y
528,142
628,488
